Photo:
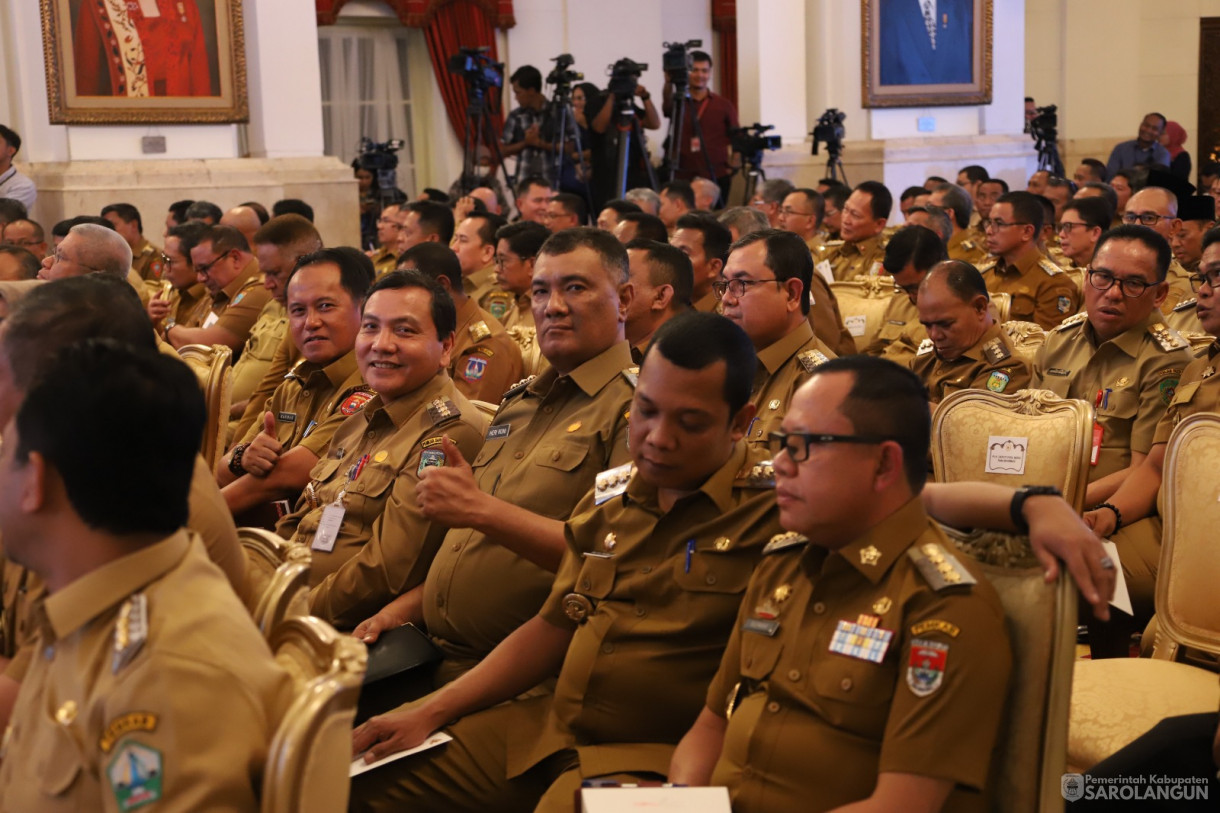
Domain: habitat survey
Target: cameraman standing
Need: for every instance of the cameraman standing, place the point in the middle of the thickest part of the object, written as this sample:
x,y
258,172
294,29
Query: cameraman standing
x,y
523,129
716,116
604,115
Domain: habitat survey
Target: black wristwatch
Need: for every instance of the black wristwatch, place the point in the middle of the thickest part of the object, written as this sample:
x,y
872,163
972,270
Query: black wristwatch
x,y
1017,506
235,461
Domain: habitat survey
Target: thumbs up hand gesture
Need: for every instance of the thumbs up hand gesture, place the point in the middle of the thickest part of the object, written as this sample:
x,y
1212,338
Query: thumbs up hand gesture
x,y
264,451
447,493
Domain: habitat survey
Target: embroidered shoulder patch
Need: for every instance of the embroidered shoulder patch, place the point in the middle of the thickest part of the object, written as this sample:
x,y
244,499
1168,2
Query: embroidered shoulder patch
x,y
355,402
476,366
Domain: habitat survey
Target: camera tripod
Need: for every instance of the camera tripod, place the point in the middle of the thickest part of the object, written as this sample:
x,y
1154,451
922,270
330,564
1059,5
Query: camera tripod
x,y
673,143
834,163
563,117
1048,154
628,125
479,128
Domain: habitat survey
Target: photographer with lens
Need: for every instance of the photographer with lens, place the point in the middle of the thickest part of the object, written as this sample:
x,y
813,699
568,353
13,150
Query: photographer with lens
x,y
705,118
611,118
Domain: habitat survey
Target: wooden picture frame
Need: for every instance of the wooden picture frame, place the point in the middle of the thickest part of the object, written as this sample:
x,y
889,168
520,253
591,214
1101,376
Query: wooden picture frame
x,y
905,65
145,61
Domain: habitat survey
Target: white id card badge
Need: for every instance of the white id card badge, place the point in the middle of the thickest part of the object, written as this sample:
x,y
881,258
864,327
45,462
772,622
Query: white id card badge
x,y
328,528
211,320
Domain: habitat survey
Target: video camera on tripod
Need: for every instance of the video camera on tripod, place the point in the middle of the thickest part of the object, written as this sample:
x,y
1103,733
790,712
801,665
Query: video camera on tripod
x,y
378,157
750,141
561,77
624,76
1044,128
477,68
676,61
831,131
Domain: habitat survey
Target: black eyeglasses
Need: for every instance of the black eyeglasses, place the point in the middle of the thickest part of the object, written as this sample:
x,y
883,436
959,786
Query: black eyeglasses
x,y
737,287
1066,227
204,268
1131,287
1212,278
797,444
1144,218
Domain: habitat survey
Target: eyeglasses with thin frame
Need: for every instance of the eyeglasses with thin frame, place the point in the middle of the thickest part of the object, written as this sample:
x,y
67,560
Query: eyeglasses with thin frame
x,y
1144,218
736,287
1003,224
790,212
1066,228
798,444
1131,287
1212,278
204,268
909,290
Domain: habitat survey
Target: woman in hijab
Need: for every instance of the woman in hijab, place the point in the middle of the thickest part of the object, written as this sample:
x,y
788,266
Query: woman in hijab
x,y
1173,137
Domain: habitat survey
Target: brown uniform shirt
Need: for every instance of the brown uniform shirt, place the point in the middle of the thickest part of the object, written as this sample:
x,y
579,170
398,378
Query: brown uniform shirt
x,y
479,284
1040,291
1136,374
313,402
1179,287
173,704
384,260
486,360
384,545
1197,391
991,364
146,260
962,246
827,320
286,354
708,304
266,333
1184,317
782,368
821,709
543,451
848,260
190,307
901,332
651,597
238,305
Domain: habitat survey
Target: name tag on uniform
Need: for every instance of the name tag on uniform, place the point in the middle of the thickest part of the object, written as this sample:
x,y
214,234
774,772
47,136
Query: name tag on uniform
x,y
286,417
763,626
860,641
826,271
500,430
328,528
211,320
1058,371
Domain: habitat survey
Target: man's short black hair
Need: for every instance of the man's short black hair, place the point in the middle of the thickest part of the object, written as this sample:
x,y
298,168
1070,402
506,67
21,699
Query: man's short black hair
x,y
1210,238
178,210
974,173
291,234
680,190
1000,182
621,206
356,271
694,340
1059,182
668,265
26,261
881,202
62,228
935,179
912,192
1164,121
528,77
837,193
815,200
525,237
434,218
189,234
1150,239
444,313
292,206
204,210
436,195
957,201
12,209
1095,212
573,205
1048,210
607,247
489,225
224,239
127,213
1027,208
1107,192
891,402
435,260
523,185
787,257
716,236
100,401
701,56
650,227
917,245
1136,177
961,278
1096,168
11,138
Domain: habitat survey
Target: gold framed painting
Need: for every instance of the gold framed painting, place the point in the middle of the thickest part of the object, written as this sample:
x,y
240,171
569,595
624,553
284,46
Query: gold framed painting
x,y
144,61
918,53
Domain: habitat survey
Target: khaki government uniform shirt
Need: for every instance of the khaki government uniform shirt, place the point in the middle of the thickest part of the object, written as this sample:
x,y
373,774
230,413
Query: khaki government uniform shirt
x,y
385,260
239,304
826,319
1197,391
267,332
1040,291
146,260
1184,318
848,260
286,354
1136,373
1179,287
191,306
901,332
962,246
708,303
820,708
782,368
651,597
486,360
542,453
479,284
151,687
384,544
991,364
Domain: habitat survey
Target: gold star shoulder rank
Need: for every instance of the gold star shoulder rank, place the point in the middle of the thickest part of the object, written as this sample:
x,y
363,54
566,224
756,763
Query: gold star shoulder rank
x,y
995,351
479,331
1167,338
987,266
442,409
940,568
811,359
130,631
1048,265
632,374
1073,321
785,541
925,347
759,475
519,387
612,482
1186,304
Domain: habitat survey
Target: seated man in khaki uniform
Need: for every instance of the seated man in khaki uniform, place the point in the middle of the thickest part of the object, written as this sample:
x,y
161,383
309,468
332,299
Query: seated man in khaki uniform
x,y
1040,291
801,213
765,291
958,204
859,249
1118,355
1198,215
965,348
359,513
147,259
385,258
517,247
1080,227
661,282
474,243
909,255
706,242
273,461
153,685
181,296
485,361
1156,206
225,266
868,663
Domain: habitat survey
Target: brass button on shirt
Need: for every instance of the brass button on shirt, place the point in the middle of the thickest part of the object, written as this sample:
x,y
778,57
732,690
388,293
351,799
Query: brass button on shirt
x,y
112,718
821,709
543,452
1136,373
1040,291
991,364
782,368
384,544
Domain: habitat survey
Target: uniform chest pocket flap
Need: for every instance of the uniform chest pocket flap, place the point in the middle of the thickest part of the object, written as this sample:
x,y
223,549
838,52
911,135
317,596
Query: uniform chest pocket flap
x,y
374,480
491,447
565,457
324,469
711,571
60,762
596,577
1123,404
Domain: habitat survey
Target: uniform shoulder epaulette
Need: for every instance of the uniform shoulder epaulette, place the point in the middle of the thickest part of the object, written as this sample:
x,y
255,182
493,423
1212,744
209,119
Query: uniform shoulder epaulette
x,y
442,409
968,245
939,567
996,351
759,475
612,482
829,244
292,372
987,266
519,387
925,347
632,374
1167,338
1186,304
479,331
1073,321
130,630
1048,265
811,359
785,541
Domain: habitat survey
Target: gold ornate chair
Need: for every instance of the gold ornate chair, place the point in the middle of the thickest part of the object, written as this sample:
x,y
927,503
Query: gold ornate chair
x,y
531,354
1050,440
862,303
277,574
213,367
1027,338
307,763
1116,700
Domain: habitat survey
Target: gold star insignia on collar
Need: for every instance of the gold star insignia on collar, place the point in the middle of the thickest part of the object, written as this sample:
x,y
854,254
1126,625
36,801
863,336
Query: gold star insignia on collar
x,y
781,593
870,556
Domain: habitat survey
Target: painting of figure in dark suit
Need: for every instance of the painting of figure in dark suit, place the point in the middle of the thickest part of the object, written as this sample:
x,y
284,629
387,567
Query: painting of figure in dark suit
x,y
926,42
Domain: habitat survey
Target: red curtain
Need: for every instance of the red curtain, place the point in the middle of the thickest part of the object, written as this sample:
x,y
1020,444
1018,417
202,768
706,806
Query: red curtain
x,y
454,25
724,22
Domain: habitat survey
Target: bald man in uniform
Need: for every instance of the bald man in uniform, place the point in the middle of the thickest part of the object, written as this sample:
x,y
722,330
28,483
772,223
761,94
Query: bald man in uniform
x,y
765,291
908,257
244,219
965,348
1118,355
860,248
154,685
359,513
868,664
1157,208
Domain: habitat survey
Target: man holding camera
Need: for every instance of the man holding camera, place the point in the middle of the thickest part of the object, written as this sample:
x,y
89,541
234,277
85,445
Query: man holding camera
x,y
709,145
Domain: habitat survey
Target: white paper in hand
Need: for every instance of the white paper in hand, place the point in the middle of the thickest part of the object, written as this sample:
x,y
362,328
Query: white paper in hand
x,y
1122,598
359,766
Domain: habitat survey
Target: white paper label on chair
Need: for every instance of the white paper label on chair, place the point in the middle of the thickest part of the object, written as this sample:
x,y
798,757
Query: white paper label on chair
x,y
826,271
1006,455
211,320
855,324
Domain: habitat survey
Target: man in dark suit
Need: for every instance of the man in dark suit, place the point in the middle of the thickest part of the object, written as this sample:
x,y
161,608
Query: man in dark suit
x,y
926,42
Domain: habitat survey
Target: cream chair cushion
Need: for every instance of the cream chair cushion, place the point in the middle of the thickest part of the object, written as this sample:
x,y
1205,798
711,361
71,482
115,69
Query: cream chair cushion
x,y
1027,338
213,367
862,304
